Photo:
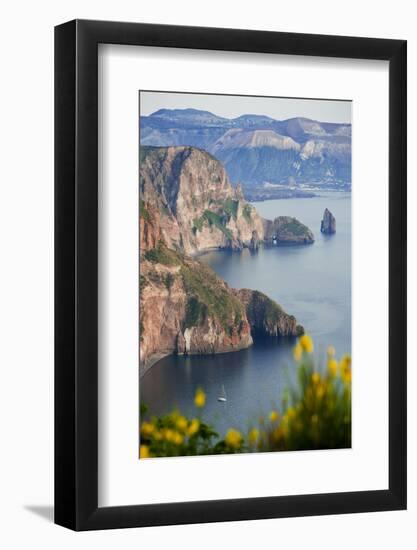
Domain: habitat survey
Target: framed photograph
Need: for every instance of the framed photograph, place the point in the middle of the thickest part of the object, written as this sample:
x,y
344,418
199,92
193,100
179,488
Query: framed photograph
x,y
230,248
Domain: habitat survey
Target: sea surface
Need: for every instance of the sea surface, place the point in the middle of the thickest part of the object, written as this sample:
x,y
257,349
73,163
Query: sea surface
x,y
312,282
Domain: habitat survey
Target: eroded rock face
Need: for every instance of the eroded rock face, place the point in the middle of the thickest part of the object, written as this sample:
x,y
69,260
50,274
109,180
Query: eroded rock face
x,y
255,241
328,223
286,230
266,317
176,319
185,307
199,209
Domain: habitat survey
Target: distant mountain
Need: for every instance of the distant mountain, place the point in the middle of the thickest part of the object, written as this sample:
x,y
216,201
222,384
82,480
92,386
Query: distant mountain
x,y
192,117
252,139
258,150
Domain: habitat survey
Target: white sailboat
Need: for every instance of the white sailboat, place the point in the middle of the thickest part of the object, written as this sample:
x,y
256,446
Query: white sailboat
x,y
222,397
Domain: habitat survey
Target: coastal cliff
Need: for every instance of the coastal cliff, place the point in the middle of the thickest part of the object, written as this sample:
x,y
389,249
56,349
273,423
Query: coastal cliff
x,y
266,317
185,308
200,210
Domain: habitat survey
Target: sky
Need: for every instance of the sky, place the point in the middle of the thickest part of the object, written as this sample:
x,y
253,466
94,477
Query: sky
x,y
234,106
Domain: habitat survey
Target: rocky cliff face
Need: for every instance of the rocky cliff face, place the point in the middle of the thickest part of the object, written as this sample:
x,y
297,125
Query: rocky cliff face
x,y
266,317
186,308
328,223
199,209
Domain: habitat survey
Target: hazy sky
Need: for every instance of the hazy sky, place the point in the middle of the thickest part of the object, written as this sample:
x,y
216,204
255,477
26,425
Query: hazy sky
x,y
234,106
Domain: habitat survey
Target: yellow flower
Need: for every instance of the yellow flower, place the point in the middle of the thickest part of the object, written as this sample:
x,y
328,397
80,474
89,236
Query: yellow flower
x,y
147,429
282,431
347,376
279,433
345,362
200,398
321,390
273,416
177,438
169,435
332,366
181,423
253,436
331,352
144,451
233,438
290,413
345,370
315,377
193,427
298,352
307,343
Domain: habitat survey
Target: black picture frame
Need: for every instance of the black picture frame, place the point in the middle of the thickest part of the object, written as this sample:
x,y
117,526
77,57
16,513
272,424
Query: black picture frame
x,y
76,272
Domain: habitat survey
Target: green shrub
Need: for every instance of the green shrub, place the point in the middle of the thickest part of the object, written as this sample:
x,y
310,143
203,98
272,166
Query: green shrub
x,y
143,212
162,255
230,206
247,212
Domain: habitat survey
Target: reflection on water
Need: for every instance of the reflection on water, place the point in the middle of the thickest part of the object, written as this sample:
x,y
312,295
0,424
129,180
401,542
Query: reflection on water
x,y
310,282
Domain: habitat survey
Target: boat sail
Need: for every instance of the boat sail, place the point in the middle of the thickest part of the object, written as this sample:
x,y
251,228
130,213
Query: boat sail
x,y
222,397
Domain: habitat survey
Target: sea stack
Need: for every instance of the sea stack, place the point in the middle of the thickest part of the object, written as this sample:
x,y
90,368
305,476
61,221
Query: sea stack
x,y
328,223
254,242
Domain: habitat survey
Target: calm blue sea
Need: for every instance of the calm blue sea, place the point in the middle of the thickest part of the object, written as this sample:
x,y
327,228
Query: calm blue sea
x,y
311,282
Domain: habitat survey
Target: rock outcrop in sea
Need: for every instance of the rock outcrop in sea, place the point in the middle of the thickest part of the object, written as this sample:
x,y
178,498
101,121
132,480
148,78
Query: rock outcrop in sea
x,y
254,242
285,230
328,223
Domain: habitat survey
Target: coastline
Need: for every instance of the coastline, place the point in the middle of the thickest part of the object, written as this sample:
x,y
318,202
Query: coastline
x,y
156,357
145,366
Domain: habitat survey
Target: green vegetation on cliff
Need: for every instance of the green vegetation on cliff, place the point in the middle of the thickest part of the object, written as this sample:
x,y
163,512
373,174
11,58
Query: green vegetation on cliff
x,y
266,317
231,206
163,255
270,310
213,219
294,227
209,297
195,314
247,211
158,153
143,212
